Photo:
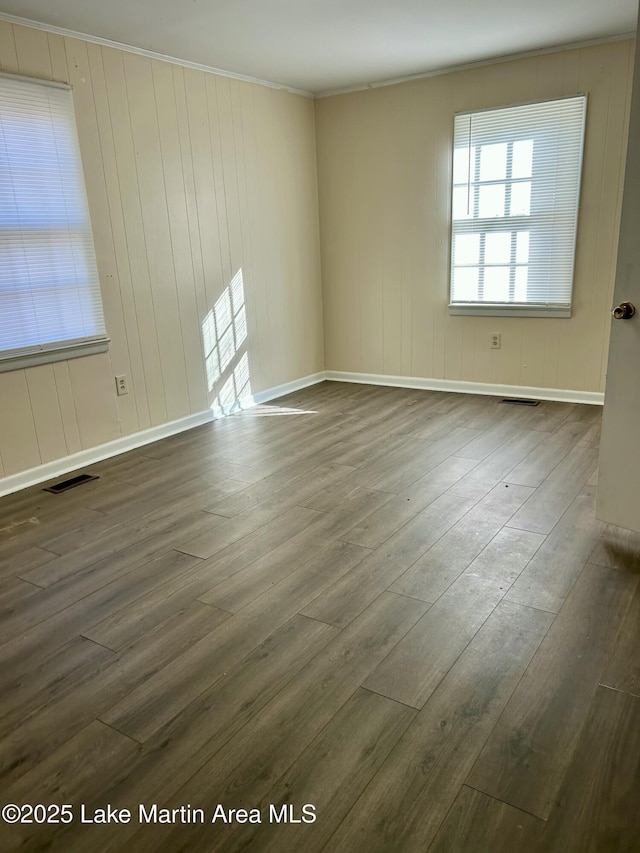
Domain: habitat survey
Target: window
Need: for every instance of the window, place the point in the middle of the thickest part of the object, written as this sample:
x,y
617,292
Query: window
x,y
50,305
516,187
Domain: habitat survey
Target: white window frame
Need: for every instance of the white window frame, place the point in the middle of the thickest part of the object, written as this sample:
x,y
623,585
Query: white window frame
x,y
49,312
532,223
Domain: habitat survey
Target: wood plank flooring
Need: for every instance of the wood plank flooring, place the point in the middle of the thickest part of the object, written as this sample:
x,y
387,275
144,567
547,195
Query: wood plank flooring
x,y
389,610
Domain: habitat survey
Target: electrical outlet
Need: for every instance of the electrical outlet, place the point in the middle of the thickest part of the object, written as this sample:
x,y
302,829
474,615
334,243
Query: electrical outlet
x,y
121,385
496,341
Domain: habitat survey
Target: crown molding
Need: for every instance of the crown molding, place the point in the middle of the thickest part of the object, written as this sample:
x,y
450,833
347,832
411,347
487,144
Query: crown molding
x,y
496,60
328,93
150,54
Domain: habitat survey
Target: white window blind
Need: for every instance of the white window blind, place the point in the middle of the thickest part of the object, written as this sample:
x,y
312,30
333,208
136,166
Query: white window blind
x,y
516,188
50,305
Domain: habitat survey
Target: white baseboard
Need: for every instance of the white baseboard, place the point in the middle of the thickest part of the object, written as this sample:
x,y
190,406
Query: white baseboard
x,y
289,387
520,391
265,396
51,470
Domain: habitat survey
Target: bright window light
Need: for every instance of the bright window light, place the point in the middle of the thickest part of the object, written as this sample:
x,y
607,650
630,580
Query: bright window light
x,y
50,304
515,196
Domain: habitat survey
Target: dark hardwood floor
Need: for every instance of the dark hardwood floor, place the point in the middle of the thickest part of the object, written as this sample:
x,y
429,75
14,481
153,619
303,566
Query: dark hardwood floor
x,y
393,606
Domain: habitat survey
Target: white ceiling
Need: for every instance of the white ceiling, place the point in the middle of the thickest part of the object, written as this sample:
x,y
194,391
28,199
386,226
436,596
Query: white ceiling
x,y
320,45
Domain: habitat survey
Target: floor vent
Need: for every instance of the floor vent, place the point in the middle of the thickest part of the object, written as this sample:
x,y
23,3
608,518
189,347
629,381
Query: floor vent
x,y
518,402
70,484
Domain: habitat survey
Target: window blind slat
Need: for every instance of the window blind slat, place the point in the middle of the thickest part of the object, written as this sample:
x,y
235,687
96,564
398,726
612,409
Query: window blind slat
x,y
49,286
515,194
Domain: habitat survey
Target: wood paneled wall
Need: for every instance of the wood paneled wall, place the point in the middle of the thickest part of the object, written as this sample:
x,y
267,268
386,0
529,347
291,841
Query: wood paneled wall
x,y
384,166
193,176
190,177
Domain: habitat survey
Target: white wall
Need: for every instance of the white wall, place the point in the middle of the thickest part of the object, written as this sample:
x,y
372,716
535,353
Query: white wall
x,y
191,177
384,166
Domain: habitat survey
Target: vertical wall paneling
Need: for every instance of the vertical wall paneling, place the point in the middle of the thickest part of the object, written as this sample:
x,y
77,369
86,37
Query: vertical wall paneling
x,y
229,172
57,57
67,407
275,197
157,235
308,272
396,143
129,195
396,151
271,309
92,384
294,153
45,406
19,441
8,54
190,178
226,157
91,142
213,113
247,238
32,49
191,207
406,260
205,192
178,227
133,409
373,196
254,227
419,327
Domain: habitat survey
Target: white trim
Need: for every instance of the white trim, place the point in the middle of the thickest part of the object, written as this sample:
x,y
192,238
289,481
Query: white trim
x,y
289,387
51,470
56,353
484,309
252,400
594,398
21,77
496,60
305,93
150,54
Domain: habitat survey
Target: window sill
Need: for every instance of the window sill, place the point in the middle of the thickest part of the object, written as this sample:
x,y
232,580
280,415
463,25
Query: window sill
x,y
20,360
489,310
